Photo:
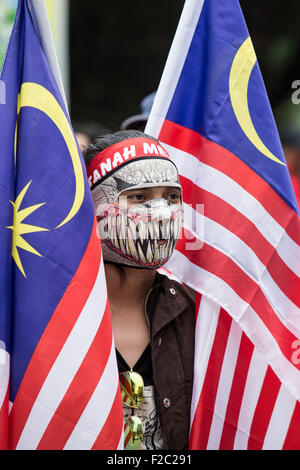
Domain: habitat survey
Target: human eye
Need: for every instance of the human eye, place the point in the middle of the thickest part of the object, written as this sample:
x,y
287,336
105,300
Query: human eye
x,y
174,196
139,197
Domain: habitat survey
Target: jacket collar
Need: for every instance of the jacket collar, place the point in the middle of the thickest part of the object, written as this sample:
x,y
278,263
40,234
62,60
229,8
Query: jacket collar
x,y
165,302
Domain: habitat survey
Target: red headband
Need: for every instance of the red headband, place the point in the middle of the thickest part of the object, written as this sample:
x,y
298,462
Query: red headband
x,y
120,153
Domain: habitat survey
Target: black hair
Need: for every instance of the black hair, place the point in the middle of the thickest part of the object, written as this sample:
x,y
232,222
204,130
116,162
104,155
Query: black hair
x,y
106,140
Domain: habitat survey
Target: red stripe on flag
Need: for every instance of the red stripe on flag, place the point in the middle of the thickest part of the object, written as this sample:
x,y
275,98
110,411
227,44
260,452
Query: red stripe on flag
x,y
263,410
226,215
217,263
292,439
236,393
205,408
77,396
223,160
105,439
4,422
55,334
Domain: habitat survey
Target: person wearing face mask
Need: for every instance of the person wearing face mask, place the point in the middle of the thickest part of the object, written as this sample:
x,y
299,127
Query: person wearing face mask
x,y
138,205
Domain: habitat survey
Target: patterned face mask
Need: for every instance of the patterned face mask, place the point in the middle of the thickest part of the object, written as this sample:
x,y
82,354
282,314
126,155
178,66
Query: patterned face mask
x,y
143,235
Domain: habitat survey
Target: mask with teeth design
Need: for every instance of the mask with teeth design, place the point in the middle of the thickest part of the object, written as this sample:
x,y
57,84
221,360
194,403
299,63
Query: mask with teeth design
x,y
143,236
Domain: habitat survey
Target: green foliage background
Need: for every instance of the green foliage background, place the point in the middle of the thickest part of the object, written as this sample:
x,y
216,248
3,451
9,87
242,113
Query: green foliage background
x,y
7,16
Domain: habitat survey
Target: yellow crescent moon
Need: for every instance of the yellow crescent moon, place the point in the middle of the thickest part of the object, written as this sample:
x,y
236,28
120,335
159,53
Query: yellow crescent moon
x,y
36,96
240,72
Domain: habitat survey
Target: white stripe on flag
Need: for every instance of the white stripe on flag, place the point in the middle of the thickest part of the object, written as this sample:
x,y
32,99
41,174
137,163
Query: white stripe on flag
x,y
280,420
206,325
121,443
167,273
236,249
66,365
255,378
224,386
97,410
203,281
175,61
4,374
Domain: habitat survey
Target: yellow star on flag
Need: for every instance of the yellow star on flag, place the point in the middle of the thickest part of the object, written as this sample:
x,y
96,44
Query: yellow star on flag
x,y
19,228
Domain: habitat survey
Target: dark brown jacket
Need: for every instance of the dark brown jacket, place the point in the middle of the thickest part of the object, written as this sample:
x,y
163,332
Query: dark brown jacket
x,y
171,313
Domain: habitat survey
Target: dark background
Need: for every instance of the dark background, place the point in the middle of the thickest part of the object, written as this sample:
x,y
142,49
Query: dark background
x,y
118,51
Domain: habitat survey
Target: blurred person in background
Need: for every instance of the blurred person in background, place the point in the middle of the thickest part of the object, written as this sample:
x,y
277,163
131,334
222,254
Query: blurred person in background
x,y
83,140
86,132
139,121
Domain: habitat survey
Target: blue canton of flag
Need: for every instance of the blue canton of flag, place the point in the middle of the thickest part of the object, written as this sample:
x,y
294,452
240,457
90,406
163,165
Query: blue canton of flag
x,y
57,355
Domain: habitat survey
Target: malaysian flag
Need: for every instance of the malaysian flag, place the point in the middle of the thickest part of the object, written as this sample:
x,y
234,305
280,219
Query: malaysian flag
x,y
240,246
59,384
